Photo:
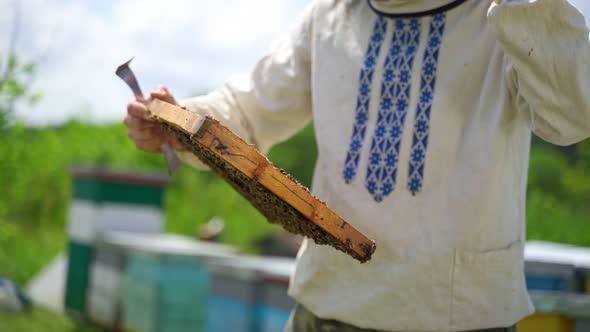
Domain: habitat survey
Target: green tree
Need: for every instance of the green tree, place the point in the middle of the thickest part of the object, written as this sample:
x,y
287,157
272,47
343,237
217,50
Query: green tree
x,y
16,75
15,86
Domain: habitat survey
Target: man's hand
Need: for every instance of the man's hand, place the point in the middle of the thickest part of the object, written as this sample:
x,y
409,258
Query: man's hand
x,y
147,135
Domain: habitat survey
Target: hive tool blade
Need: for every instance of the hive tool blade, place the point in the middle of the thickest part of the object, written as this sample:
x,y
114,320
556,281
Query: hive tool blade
x,y
127,75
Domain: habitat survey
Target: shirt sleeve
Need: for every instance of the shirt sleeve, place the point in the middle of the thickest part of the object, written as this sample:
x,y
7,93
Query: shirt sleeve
x,y
274,101
548,52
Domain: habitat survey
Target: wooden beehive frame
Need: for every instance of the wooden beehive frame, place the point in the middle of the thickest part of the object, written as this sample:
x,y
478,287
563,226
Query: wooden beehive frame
x,y
218,142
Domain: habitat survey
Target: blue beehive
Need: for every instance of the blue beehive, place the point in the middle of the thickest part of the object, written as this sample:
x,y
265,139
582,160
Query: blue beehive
x,y
249,294
558,267
555,274
275,305
233,297
548,276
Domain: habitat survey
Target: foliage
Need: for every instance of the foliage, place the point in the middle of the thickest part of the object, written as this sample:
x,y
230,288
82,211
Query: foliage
x,y
14,86
559,194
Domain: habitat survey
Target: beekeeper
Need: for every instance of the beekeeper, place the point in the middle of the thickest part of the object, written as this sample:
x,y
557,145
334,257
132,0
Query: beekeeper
x,y
423,113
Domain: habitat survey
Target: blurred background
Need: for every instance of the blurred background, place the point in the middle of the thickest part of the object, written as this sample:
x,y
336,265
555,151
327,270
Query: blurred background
x,y
61,106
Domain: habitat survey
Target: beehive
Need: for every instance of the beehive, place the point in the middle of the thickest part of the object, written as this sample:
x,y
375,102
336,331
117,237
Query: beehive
x,y
104,291
557,312
555,266
546,323
104,201
550,276
585,275
77,275
165,294
276,305
166,282
249,294
232,299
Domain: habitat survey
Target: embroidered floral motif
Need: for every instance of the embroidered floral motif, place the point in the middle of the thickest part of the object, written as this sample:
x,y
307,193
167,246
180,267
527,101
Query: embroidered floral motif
x,y
422,119
393,107
363,99
394,102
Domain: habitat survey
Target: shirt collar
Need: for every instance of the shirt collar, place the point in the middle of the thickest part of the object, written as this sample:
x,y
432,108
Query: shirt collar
x,y
407,8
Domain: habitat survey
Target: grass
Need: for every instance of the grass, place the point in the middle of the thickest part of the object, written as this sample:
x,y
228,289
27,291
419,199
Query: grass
x,y
41,320
24,250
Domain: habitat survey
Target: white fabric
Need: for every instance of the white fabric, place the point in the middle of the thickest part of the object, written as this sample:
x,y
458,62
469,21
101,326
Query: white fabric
x,y
449,258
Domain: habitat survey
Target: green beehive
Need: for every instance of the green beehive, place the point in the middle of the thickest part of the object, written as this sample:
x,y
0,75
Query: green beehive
x,y
80,255
105,201
165,294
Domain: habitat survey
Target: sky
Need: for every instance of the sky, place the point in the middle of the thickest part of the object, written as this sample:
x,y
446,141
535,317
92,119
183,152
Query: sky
x,y
191,46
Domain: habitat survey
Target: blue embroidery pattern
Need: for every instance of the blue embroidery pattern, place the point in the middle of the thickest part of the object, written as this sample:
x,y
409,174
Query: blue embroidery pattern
x,y
395,91
363,99
395,98
422,119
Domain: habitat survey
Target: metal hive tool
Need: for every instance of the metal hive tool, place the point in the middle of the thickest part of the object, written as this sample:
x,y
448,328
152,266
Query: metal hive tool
x,y
127,75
